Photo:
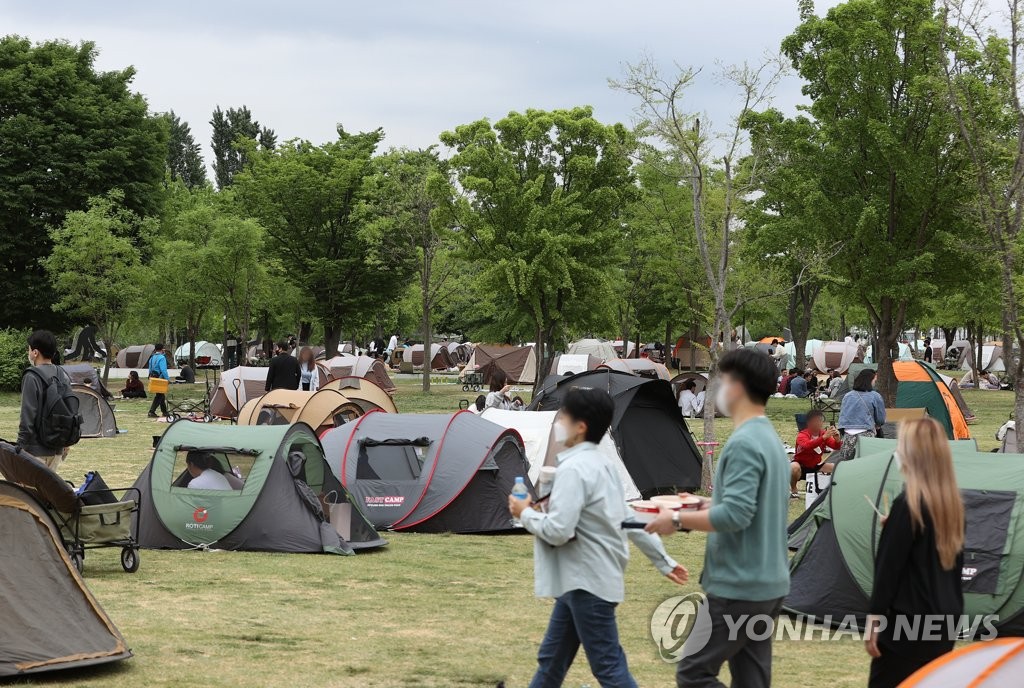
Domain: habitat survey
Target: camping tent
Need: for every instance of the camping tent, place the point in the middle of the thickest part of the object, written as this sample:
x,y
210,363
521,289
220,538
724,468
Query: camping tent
x,y
236,387
320,410
536,428
691,356
699,379
429,473
207,355
282,485
372,369
97,415
134,356
624,350
50,619
990,664
574,363
439,357
593,347
651,435
954,388
459,353
518,363
810,346
643,367
905,353
85,374
369,396
921,386
832,571
991,357
838,356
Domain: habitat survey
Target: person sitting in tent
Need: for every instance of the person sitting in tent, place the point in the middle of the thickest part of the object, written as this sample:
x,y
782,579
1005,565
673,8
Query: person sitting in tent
x,y
133,387
498,397
309,376
688,399
205,471
811,444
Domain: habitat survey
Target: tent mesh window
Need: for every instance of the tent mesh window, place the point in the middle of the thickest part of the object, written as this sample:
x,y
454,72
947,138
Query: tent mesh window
x,y
234,465
391,460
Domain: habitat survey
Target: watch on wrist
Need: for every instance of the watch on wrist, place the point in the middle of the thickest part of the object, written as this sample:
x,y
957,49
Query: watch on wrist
x,y
677,524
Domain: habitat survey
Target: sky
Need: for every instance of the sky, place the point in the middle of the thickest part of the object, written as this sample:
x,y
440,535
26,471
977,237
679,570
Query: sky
x,y
413,67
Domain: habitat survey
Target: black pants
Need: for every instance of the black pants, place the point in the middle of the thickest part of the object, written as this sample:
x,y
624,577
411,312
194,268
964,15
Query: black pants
x,y
901,658
750,661
161,401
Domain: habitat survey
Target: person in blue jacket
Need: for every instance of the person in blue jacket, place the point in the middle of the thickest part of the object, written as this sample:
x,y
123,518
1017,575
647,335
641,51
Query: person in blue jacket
x,y
158,368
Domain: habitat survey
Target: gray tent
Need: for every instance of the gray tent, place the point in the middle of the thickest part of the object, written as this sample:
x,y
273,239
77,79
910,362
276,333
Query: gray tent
x,y
50,619
85,374
97,415
429,473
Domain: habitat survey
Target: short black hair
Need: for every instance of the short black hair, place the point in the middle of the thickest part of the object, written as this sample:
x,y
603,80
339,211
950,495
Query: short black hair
x,y
591,406
754,370
282,344
863,381
204,460
774,342
159,346
812,414
690,384
44,342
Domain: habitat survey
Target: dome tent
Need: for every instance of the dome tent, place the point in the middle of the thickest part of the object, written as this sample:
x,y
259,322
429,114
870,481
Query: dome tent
x,y
347,365
281,485
207,355
364,393
518,363
320,410
97,414
236,387
598,348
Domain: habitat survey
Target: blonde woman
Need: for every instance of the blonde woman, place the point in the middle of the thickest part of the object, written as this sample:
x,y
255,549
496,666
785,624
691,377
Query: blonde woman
x,y
919,559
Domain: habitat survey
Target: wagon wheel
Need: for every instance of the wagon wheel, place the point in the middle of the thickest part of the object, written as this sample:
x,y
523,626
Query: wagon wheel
x,y
130,559
465,388
79,561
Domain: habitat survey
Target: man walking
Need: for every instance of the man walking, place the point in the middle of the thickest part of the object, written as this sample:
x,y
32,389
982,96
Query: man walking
x,y
745,566
158,369
36,395
580,551
284,372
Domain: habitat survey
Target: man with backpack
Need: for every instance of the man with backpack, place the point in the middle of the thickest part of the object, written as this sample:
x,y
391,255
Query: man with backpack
x,y
158,369
50,422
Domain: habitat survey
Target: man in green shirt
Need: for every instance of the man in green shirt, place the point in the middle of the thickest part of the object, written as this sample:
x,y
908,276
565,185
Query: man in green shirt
x,y
746,572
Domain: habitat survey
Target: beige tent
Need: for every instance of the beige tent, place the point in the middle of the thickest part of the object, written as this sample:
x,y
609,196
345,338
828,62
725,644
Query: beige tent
x,y
367,394
236,387
991,357
518,363
366,367
644,367
440,359
320,410
692,355
838,356
134,356
574,364
594,347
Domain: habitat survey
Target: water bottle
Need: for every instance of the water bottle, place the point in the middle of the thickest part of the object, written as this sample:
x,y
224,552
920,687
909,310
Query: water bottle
x,y
519,490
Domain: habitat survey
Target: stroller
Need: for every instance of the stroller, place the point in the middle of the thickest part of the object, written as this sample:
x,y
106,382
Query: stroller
x,y
197,410
87,520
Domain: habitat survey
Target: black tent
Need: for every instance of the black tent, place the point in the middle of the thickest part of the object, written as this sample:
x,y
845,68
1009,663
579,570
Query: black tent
x,y
429,473
653,439
50,619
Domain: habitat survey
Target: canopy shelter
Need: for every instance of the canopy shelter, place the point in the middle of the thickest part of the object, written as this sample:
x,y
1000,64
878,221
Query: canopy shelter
x,y
518,363
598,348
643,367
536,428
837,356
135,356
365,393
371,369
692,355
50,619
649,432
832,572
320,410
284,497
236,387
573,364
429,473
207,355
921,386
97,414
439,357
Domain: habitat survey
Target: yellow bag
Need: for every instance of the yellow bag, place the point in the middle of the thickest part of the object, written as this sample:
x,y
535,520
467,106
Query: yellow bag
x,y
158,385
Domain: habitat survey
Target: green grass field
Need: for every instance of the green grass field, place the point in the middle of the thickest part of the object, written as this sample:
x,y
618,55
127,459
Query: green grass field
x,y
427,611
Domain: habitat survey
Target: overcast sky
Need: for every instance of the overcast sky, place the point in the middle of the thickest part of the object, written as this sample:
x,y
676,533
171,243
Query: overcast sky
x,y
413,67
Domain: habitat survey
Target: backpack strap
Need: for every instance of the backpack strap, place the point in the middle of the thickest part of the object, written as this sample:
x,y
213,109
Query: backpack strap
x,y
42,394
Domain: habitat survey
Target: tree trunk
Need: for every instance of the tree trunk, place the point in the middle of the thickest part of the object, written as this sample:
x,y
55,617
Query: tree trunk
x,y
666,357
306,332
540,350
885,344
332,336
427,334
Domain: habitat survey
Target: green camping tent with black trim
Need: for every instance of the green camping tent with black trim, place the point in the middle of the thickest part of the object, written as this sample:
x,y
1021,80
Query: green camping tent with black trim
x,y
832,571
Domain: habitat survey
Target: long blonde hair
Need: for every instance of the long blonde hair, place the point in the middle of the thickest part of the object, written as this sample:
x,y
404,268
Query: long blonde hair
x,y
927,465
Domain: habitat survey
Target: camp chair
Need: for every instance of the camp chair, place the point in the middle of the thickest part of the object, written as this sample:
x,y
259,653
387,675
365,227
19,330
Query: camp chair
x,y
83,523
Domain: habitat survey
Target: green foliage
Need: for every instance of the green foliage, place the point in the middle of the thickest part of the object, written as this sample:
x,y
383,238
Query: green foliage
x,y
184,157
232,130
13,360
67,132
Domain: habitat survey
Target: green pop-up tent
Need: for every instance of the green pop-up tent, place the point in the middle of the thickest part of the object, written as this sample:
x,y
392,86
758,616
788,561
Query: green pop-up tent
x,y
832,571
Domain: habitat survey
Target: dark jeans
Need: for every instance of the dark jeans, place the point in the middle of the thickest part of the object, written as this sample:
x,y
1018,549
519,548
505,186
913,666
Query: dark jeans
x,y
161,401
580,618
901,658
750,661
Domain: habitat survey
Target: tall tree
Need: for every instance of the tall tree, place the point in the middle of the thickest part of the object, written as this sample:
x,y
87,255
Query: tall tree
x,y
231,129
94,267
888,161
67,132
184,157
539,205
307,196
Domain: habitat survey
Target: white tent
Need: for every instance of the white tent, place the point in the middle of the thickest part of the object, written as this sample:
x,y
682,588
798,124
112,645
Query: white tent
x,y
207,355
536,429
906,354
594,347
572,363
228,398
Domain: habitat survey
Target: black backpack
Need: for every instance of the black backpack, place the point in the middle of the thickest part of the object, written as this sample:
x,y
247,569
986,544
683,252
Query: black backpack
x,y
59,424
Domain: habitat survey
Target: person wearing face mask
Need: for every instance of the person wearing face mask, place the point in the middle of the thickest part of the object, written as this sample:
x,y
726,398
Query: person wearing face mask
x,y
42,350
746,569
581,549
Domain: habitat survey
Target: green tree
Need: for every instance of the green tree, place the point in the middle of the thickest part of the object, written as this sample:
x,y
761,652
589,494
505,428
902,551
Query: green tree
x,y
67,132
874,73
539,204
231,129
94,267
307,197
184,157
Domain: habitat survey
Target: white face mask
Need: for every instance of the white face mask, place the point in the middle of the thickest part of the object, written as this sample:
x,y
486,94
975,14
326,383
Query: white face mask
x,y
722,399
561,432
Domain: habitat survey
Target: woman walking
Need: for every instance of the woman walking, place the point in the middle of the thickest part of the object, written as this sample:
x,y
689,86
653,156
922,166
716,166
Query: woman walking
x,y
919,560
309,376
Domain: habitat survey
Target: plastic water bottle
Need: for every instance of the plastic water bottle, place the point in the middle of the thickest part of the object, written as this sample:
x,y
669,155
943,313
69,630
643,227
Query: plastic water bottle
x,y
519,490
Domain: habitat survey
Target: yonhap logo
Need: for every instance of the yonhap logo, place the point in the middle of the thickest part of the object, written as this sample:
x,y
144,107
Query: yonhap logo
x,y
681,626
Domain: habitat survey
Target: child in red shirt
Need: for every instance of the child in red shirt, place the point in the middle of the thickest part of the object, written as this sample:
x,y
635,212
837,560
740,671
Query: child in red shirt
x,y
811,445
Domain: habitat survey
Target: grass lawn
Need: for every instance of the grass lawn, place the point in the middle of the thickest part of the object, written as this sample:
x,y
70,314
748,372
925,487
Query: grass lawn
x,y
429,610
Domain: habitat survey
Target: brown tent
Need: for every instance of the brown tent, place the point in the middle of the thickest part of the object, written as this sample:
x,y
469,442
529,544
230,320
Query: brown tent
x,y
366,367
519,363
367,394
50,619
236,387
644,367
320,410
440,359
134,356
